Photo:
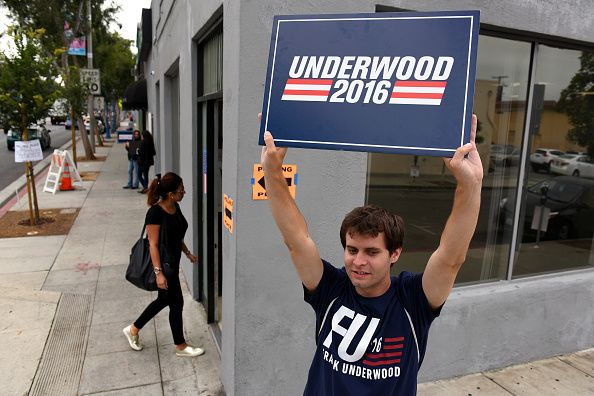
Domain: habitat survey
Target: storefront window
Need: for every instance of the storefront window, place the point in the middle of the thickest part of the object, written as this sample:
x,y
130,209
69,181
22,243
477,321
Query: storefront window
x,y
556,224
420,189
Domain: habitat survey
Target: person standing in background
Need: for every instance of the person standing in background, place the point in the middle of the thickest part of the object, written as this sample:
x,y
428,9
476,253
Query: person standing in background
x,y
133,147
145,159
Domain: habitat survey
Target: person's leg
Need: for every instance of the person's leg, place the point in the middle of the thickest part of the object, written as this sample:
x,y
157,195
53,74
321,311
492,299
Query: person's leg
x,y
130,173
140,175
176,306
150,311
134,173
131,331
145,175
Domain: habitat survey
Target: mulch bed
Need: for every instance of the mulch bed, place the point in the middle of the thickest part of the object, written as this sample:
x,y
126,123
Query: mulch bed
x,y
53,222
89,176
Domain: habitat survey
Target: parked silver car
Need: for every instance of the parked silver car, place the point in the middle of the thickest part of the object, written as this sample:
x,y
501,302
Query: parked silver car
x,y
542,157
585,167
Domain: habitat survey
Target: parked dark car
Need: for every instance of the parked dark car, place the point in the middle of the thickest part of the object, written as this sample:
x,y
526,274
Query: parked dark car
x,y
570,200
35,132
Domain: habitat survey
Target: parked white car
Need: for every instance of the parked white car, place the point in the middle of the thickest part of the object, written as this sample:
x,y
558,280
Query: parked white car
x,y
566,164
542,157
585,167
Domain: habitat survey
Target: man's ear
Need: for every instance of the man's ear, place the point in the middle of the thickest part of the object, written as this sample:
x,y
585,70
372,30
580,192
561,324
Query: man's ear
x,y
395,255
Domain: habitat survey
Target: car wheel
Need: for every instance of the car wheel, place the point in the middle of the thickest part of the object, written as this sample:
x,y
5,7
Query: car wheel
x,y
534,167
548,167
576,173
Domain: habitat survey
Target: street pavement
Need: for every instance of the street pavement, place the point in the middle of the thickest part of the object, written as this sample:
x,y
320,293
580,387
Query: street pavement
x,y
64,302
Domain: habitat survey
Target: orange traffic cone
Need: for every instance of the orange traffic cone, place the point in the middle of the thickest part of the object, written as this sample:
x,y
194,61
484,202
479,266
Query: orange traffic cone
x,y
66,182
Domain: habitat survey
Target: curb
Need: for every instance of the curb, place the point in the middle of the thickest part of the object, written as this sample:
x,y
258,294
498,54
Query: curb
x,y
9,192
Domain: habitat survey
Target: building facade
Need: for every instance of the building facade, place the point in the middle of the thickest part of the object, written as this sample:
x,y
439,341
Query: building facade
x,y
522,294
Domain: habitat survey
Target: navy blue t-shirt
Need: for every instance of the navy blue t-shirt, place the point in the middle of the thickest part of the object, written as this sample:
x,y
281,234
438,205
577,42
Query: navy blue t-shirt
x,y
368,345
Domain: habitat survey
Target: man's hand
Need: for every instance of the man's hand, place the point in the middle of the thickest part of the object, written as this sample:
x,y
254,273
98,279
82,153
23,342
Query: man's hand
x,y
466,165
272,157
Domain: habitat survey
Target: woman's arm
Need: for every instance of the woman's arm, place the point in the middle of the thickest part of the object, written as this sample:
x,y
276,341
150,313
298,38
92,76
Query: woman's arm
x,y
152,231
189,254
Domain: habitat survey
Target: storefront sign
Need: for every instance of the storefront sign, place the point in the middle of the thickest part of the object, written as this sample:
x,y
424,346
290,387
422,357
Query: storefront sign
x,y
259,185
28,151
386,82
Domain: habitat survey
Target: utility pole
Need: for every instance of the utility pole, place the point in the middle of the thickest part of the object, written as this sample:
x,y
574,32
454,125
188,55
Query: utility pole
x,y
90,104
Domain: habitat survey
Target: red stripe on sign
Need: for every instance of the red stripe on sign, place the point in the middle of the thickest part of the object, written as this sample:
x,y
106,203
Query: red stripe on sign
x,y
381,362
417,95
382,355
397,339
309,81
395,346
420,83
305,92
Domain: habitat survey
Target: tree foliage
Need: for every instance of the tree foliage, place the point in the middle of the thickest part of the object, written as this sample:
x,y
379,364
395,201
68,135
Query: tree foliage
x,y
27,85
577,101
65,20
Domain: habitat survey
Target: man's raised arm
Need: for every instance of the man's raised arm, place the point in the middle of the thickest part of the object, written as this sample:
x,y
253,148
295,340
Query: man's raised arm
x,y
445,262
288,218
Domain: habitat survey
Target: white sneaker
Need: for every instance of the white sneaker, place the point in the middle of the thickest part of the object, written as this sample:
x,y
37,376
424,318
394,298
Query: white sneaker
x,y
189,351
132,339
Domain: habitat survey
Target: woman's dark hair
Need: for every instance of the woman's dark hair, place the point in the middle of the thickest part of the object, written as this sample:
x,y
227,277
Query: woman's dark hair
x,y
161,186
369,221
146,135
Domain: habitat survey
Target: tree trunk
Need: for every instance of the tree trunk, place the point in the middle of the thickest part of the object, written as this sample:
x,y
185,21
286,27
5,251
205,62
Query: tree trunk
x,y
85,140
34,192
29,198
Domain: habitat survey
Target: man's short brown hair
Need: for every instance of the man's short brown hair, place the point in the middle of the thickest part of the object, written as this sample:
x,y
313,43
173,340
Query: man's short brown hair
x,y
370,220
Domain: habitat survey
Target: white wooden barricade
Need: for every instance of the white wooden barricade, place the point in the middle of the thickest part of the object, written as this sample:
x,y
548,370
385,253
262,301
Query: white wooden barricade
x,y
59,160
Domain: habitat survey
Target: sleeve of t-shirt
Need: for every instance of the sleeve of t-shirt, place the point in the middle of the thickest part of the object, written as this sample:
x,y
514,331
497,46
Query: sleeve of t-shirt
x,y
415,301
154,215
328,288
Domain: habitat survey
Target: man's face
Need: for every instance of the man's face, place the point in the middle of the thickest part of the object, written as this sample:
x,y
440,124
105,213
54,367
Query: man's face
x,y
367,262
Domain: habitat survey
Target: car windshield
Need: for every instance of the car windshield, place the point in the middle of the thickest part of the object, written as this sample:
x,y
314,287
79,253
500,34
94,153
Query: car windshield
x,y
561,191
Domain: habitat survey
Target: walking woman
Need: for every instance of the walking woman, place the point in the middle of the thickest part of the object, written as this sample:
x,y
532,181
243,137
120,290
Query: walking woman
x,y
166,227
146,159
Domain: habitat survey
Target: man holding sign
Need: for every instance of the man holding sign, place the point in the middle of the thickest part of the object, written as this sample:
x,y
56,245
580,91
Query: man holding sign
x,y
372,328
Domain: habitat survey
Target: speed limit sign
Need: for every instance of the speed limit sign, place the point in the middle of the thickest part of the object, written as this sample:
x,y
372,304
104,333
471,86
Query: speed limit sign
x,y
90,77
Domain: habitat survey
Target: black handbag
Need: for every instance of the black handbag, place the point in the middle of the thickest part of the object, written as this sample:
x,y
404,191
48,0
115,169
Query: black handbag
x,y
140,269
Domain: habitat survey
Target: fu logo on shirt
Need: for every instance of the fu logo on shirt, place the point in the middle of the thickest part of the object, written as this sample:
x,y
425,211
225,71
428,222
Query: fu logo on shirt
x,y
348,334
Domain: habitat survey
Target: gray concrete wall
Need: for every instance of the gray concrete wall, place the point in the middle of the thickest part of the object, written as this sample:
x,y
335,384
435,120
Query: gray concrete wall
x,y
495,325
267,340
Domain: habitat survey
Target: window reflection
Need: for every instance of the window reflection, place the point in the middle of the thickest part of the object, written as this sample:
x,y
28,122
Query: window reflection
x,y
557,215
420,189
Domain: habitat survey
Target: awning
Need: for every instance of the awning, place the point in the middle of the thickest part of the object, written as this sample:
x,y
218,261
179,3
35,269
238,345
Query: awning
x,y
135,96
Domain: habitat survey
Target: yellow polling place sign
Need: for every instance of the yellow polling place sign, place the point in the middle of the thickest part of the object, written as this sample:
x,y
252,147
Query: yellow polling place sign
x,y
228,215
259,185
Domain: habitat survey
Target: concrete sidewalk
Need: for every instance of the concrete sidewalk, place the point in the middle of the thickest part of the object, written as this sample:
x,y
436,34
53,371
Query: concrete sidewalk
x,y
64,302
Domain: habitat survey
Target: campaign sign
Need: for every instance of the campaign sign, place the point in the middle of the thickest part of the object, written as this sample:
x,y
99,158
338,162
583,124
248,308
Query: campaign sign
x,y
386,82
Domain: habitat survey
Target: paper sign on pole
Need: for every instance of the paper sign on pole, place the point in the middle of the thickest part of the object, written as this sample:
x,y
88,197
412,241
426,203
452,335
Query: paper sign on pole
x,y
259,184
384,82
27,151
